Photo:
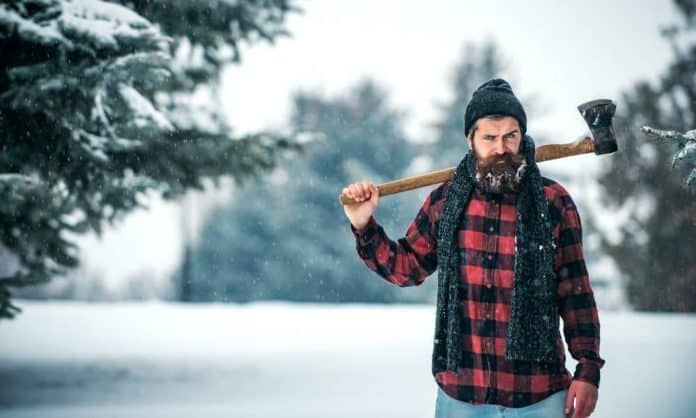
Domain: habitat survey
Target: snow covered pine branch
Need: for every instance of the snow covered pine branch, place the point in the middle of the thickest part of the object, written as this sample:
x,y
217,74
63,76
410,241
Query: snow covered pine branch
x,y
91,94
686,143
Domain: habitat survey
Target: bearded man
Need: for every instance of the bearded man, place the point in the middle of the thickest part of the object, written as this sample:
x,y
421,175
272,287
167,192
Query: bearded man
x,y
507,245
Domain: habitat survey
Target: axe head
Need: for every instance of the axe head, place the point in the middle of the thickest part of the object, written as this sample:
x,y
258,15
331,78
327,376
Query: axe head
x,y
598,115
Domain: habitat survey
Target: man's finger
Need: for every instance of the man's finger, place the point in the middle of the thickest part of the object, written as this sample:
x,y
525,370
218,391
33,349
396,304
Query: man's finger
x,y
577,412
358,187
569,401
362,193
591,405
367,188
580,408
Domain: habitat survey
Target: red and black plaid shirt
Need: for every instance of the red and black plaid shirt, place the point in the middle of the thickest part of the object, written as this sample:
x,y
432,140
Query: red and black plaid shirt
x,y
489,239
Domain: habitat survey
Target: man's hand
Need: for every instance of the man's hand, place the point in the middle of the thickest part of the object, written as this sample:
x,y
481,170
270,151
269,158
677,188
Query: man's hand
x,y
367,196
585,396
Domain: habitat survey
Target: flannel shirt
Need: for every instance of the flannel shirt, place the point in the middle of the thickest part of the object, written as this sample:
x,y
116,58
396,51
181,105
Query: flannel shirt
x,y
487,377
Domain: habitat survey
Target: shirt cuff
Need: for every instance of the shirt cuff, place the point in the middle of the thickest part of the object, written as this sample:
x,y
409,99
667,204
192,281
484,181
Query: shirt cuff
x,y
367,232
366,238
587,372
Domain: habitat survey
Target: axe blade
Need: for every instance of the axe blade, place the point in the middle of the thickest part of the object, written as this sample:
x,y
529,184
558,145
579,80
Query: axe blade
x,y
598,115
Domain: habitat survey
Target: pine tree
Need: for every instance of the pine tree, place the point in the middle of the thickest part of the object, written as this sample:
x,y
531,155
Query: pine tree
x,y
655,249
288,238
96,109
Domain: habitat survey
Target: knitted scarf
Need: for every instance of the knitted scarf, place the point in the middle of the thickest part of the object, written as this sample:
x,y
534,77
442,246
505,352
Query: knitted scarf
x,y
533,326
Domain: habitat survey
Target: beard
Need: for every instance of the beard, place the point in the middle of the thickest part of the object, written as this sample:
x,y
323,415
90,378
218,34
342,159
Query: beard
x,y
500,173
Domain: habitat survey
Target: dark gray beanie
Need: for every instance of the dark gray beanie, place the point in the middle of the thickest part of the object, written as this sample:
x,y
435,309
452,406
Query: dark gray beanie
x,y
494,97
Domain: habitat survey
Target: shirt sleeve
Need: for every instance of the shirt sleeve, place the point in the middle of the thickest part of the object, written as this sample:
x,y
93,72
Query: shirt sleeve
x,y
576,301
408,260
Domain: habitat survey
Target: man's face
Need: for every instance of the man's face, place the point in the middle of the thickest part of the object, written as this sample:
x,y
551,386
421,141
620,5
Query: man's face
x,y
496,137
496,144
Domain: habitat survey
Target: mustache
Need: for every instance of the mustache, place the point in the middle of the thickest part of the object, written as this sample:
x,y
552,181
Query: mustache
x,y
498,161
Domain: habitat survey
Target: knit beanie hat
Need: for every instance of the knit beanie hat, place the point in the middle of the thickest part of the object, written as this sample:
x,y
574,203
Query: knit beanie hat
x,y
494,97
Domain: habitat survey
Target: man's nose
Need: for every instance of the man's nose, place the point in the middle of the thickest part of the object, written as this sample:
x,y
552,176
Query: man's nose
x,y
499,148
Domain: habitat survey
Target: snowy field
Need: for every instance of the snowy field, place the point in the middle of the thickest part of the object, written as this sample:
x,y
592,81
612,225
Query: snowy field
x,y
289,360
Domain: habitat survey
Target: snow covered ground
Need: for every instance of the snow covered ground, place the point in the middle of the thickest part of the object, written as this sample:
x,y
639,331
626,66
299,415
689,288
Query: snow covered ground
x,y
69,359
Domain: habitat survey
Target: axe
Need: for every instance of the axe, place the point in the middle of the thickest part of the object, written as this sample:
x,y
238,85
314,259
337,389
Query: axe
x,y
598,115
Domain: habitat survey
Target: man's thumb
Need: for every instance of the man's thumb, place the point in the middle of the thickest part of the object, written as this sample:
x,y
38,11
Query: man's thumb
x,y
374,193
569,401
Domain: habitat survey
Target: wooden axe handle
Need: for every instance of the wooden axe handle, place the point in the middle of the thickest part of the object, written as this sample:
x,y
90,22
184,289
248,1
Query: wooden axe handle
x,y
543,153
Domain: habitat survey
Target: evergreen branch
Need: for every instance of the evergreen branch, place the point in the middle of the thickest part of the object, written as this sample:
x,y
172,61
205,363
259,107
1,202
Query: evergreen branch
x,y
672,135
686,148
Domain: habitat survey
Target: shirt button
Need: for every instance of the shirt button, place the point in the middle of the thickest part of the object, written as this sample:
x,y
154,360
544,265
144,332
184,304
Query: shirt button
x,y
490,229
490,257
489,285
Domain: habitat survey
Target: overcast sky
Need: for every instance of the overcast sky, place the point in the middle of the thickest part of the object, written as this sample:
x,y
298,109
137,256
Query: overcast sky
x,y
564,53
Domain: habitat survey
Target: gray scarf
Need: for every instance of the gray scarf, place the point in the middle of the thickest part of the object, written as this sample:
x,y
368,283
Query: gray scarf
x,y
533,327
